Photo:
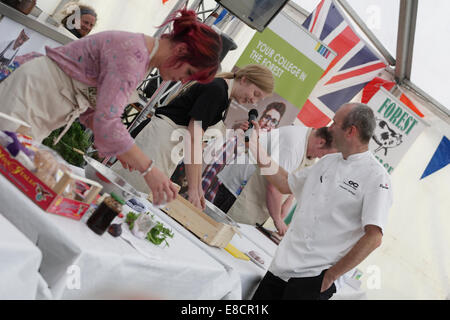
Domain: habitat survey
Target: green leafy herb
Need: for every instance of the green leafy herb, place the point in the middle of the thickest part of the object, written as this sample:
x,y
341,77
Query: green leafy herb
x,y
157,235
75,138
131,218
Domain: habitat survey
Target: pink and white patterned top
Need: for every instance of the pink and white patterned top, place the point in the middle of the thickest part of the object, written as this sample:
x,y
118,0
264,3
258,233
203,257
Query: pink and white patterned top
x,y
115,62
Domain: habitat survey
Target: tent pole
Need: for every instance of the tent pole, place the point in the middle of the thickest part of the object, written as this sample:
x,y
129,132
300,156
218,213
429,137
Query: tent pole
x,y
405,38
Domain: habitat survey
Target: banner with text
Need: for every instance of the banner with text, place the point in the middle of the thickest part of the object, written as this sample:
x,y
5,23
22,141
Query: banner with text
x,y
297,60
397,129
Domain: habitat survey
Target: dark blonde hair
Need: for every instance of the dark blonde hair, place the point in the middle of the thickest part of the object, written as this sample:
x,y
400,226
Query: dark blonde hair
x,y
257,74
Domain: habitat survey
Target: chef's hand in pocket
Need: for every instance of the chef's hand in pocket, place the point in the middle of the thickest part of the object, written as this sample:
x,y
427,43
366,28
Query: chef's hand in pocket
x,y
327,282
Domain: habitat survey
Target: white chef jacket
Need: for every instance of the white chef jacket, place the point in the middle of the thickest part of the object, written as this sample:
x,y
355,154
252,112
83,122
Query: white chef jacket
x,y
340,197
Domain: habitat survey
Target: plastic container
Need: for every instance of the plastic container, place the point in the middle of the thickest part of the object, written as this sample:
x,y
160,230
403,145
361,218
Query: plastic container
x,y
101,219
143,224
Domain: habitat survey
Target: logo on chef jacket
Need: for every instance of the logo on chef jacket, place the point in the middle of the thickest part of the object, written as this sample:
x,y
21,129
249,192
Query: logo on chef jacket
x,y
350,186
384,186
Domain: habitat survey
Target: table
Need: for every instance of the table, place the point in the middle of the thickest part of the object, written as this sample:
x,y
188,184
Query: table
x,y
253,239
77,263
249,273
19,263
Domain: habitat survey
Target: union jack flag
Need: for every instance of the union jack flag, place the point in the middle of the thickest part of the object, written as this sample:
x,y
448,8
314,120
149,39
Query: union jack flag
x,y
354,66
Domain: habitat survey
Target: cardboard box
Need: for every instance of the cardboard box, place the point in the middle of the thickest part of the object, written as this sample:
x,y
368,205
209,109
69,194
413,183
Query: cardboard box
x,y
50,200
207,229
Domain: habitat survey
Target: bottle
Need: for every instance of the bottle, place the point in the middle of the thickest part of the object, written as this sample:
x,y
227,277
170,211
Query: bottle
x,y
105,214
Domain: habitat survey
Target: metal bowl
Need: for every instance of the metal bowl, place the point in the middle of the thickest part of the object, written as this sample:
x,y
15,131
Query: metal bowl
x,y
218,215
111,181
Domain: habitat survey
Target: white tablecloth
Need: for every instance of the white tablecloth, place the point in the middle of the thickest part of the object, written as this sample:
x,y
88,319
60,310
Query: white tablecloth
x,y
258,238
19,263
77,263
249,273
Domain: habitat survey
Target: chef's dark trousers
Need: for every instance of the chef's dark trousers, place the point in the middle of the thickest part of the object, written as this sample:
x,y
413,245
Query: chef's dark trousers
x,y
308,288
224,199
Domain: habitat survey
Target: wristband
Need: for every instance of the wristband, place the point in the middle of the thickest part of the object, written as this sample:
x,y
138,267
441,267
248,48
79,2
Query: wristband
x,y
150,167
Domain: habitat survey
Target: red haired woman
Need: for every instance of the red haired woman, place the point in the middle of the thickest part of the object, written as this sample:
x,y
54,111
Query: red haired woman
x,y
93,78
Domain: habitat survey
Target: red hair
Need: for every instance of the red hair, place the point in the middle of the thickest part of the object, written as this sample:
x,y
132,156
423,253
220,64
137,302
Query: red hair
x,y
204,45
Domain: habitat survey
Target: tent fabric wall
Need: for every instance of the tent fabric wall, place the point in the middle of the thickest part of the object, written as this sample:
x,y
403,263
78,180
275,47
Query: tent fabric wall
x,y
414,259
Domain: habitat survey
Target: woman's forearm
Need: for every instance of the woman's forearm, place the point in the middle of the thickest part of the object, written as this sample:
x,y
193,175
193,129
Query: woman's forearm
x,y
135,158
193,176
193,163
163,190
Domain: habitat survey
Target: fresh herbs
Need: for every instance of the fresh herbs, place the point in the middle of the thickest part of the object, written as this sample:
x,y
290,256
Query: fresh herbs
x,y
131,218
157,235
75,139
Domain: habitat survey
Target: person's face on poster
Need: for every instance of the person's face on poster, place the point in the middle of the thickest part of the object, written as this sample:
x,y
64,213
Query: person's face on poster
x,y
270,120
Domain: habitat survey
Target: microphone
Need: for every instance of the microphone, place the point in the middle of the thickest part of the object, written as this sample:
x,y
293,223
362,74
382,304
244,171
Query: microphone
x,y
252,116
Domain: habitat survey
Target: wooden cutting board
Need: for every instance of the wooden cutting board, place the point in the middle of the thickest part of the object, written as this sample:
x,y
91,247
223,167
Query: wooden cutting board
x,y
207,229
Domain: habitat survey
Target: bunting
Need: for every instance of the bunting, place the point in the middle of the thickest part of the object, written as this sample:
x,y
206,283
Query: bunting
x,y
440,159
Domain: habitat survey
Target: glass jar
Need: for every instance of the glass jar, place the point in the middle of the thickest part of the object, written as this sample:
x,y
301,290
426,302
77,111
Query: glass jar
x,y
101,219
